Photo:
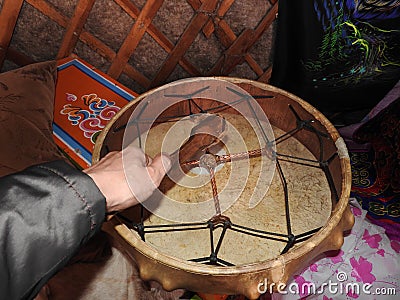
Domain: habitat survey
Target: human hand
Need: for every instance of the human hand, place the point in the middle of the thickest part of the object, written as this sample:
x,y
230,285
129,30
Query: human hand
x,y
128,177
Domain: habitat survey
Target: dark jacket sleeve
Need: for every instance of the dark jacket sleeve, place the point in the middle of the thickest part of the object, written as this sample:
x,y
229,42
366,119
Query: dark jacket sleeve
x,y
46,213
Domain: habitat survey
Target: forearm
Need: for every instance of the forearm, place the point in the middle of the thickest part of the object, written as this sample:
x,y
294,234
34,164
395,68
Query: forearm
x,y
46,213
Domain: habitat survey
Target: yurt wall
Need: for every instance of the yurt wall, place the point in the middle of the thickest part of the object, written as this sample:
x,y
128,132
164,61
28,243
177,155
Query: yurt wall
x,y
140,43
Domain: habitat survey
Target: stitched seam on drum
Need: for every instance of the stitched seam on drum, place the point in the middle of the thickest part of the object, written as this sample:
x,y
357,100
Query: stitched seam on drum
x,y
341,148
81,197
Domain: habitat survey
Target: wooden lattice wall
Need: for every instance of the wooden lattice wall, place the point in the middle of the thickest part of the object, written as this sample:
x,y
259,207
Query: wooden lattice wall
x,y
143,44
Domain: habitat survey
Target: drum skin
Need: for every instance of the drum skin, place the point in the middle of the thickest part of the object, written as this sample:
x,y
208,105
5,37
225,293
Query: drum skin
x,y
246,279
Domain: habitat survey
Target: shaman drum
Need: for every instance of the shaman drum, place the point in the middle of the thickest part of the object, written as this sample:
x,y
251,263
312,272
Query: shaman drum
x,y
256,202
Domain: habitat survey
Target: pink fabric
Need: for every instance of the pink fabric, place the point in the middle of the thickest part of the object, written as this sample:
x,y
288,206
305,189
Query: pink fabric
x,y
367,260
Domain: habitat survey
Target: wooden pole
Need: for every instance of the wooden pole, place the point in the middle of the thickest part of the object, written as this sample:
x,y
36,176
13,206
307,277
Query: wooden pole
x,y
75,27
8,16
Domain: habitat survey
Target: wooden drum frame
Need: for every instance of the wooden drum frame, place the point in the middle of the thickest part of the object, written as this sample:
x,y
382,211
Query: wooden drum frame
x,y
285,111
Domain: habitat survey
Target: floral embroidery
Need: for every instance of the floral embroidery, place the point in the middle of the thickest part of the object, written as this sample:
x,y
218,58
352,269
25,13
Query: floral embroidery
x,y
71,97
302,285
367,257
338,258
91,116
362,270
352,294
372,240
314,268
395,246
356,211
359,169
381,252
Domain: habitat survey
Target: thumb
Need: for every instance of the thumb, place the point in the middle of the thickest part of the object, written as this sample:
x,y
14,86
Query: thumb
x,y
160,165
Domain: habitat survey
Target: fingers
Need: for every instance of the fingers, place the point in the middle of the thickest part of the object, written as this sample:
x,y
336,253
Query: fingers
x,y
128,178
159,166
133,153
149,160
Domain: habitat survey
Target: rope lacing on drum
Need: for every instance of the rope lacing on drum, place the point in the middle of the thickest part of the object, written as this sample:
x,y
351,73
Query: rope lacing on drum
x,y
221,221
